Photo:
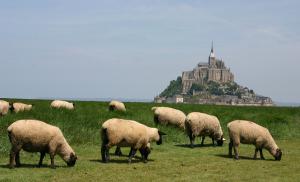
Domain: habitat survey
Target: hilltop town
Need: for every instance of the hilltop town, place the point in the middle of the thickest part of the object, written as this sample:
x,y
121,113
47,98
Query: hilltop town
x,y
210,83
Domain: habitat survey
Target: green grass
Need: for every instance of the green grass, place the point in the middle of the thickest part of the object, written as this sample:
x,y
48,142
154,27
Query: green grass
x,y
172,161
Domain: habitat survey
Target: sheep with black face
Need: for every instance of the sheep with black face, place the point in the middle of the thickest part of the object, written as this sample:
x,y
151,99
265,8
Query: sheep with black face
x,y
128,133
248,132
201,124
38,136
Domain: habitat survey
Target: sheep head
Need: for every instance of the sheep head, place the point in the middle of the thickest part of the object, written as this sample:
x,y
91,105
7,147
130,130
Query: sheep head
x,y
278,154
72,160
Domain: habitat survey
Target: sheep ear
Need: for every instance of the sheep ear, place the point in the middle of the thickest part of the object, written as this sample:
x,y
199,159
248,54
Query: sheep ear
x,y
161,133
223,139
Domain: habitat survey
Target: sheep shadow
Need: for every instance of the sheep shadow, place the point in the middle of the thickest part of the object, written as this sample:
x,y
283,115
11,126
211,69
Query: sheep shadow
x,y
242,157
31,166
195,145
120,161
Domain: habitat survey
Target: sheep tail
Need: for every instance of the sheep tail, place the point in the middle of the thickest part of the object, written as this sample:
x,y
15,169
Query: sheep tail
x,y
9,132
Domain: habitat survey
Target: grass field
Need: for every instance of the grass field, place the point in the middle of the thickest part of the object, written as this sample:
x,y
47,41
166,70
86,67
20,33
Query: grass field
x,y
171,161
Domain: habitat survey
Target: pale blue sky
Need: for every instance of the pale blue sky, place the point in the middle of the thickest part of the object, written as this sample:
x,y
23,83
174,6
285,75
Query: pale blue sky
x,y
132,49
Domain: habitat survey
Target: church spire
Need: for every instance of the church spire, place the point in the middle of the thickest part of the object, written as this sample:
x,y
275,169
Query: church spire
x,y
212,55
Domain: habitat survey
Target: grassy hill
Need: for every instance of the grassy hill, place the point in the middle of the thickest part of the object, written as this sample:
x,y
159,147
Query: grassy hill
x,y
173,160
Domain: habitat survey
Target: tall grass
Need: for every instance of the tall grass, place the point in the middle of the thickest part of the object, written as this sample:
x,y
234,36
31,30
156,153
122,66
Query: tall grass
x,y
81,126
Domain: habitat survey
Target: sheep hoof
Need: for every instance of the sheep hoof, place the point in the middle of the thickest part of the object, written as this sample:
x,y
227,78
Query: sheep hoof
x,y
262,158
53,167
11,167
145,161
236,157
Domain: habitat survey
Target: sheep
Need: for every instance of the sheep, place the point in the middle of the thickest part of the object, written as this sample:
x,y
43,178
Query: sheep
x,y
38,136
62,104
128,133
167,115
19,107
4,107
201,124
247,132
116,106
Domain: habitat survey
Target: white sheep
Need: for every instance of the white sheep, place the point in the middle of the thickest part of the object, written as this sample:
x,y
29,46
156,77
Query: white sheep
x,y
20,107
247,132
4,107
37,136
128,133
62,104
116,106
201,124
167,115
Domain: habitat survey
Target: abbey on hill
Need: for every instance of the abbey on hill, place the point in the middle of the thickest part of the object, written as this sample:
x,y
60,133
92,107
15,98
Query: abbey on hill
x,y
210,83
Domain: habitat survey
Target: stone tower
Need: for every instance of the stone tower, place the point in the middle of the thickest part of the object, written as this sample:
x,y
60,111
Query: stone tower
x,y
215,70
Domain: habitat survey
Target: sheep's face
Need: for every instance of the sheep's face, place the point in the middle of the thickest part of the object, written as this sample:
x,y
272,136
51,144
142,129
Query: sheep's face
x,y
160,137
11,107
111,108
72,160
220,141
278,155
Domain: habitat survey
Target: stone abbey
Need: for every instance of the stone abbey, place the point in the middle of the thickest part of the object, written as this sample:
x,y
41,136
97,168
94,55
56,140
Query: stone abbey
x,y
213,70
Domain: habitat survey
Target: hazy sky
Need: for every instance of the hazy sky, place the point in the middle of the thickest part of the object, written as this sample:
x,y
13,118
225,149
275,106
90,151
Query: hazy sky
x,y
132,49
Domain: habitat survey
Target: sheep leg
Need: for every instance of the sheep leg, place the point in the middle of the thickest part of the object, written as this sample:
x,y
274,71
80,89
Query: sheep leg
x,y
192,139
18,164
202,142
105,153
41,158
52,161
261,154
131,154
213,141
12,156
230,148
255,153
118,151
236,152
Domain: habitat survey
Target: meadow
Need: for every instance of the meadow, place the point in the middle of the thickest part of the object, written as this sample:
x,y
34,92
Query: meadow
x,y
171,161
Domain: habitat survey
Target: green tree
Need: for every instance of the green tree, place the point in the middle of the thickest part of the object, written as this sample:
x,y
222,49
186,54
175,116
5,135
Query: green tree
x,y
175,87
196,87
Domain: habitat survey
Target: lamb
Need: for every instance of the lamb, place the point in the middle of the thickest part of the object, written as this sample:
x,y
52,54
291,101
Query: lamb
x,y
128,133
116,106
4,107
167,115
247,132
201,124
37,136
19,107
62,104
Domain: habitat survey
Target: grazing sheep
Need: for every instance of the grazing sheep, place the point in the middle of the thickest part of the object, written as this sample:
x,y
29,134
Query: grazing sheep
x,y
116,106
4,107
62,104
128,133
201,124
247,132
167,115
37,136
20,107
